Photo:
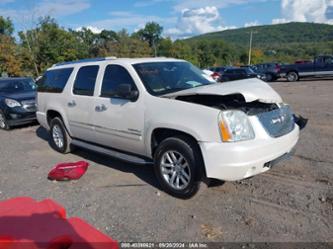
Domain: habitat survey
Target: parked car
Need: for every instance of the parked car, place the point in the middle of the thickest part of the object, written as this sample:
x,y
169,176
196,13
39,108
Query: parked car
x,y
321,67
218,71
165,112
236,73
269,71
210,74
17,102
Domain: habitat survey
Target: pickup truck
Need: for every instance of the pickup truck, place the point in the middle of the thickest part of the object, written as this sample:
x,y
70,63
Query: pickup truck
x,y
321,67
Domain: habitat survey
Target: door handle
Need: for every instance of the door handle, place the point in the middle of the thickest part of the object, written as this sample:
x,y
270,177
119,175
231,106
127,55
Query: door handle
x,y
72,103
101,108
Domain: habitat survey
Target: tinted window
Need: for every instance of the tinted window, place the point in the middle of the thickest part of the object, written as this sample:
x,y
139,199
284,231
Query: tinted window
x,y
113,77
54,81
85,81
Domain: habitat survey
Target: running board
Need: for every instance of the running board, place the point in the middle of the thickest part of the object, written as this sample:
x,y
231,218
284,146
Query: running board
x,y
112,153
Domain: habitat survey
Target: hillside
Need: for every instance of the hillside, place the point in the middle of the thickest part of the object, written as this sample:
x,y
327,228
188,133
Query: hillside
x,y
274,35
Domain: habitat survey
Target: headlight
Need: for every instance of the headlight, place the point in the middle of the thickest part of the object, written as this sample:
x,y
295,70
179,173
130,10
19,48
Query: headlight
x,y
12,103
235,126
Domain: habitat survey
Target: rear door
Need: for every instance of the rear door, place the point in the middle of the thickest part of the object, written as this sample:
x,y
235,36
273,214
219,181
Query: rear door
x,y
80,103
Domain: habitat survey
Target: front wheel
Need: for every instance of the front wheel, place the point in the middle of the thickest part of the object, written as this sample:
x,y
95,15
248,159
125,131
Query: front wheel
x,y
178,166
3,122
292,77
60,139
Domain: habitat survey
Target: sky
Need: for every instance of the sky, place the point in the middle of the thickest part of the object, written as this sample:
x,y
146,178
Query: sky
x,y
179,18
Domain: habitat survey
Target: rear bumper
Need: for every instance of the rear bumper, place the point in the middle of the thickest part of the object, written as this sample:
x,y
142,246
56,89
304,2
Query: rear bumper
x,y
237,161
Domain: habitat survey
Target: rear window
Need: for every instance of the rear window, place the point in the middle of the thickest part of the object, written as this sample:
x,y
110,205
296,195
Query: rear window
x,y
85,81
54,81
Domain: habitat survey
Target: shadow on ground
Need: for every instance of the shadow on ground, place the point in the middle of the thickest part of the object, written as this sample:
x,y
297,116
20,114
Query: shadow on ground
x,y
143,172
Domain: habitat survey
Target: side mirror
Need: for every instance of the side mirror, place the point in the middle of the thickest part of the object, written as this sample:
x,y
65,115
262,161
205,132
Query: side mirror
x,y
125,91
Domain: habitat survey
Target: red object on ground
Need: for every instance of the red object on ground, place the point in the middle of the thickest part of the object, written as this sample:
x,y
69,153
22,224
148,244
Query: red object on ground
x,y
28,224
68,171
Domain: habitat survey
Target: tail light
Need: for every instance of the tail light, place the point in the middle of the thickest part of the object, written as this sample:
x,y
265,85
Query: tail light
x,y
216,76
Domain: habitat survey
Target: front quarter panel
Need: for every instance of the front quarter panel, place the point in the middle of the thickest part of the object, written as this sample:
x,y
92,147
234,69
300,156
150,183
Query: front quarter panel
x,y
199,121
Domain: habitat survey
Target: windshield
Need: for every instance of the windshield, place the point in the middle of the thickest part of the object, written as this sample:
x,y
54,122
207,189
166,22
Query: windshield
x,y
162,78
249,70
19,85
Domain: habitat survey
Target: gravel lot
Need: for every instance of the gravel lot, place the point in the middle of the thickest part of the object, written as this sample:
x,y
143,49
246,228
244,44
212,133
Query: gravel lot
x,y
292,202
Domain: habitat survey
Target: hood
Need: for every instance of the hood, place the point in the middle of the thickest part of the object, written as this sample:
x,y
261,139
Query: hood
x,y
19,95
251,89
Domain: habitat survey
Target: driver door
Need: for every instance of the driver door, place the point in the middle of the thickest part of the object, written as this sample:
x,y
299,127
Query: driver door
x,y
119,122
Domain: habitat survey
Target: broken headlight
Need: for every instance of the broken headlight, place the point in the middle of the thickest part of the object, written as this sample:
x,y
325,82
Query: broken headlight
x,y
235,126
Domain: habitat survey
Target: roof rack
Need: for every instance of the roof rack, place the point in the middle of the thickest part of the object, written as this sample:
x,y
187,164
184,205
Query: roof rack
x,y
84,61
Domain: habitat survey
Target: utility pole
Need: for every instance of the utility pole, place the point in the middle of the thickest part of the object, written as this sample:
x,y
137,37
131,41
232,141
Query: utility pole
x,y
250,50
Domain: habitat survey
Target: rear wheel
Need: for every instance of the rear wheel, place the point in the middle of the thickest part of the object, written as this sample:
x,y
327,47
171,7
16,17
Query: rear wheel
x,y
60,139
178,166
3,122
292,77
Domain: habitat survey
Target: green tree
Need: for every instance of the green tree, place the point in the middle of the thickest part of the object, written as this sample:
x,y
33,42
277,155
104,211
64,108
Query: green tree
x,y
48,44
152,34
6,26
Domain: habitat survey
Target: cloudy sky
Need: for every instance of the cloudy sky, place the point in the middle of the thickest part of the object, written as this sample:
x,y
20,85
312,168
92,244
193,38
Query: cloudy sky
x,y
180,18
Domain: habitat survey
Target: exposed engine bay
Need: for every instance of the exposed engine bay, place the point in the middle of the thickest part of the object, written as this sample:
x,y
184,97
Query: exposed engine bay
x,y
227,102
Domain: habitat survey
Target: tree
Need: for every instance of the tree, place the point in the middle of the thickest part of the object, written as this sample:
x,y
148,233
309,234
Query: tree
x,y
152,34
49,44
10,62
6,26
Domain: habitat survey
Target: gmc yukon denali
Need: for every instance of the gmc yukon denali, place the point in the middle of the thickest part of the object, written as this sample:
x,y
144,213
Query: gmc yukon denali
x,y
167,113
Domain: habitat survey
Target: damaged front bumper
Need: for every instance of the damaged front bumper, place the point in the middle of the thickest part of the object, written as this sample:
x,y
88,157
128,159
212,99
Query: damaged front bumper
x,y
241,160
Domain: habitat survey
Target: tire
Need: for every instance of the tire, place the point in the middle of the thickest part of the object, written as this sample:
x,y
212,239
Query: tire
x,y
268,77
59,137
167,170
3,122
292,76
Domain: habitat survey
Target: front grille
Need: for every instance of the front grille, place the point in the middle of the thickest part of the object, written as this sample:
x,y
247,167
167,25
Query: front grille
x,y
29,105
278,122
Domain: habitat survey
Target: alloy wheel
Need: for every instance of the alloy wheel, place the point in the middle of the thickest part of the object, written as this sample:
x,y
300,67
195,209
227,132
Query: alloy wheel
x,y
175,170
58,136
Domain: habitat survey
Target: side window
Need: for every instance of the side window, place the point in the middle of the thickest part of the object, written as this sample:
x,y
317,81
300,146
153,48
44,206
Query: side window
x,y
85,81
114,76
54,81
329,60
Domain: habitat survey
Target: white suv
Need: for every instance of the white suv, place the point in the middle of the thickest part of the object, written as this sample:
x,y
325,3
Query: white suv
x,y
166,112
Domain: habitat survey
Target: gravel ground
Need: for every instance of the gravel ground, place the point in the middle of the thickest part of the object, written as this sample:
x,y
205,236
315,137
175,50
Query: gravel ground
x,y
292,202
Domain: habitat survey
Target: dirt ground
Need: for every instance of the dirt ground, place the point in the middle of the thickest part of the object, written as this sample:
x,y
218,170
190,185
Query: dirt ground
x,y
292,202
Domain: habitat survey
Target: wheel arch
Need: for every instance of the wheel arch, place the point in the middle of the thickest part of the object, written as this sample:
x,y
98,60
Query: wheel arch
x,y
52,113
160,134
